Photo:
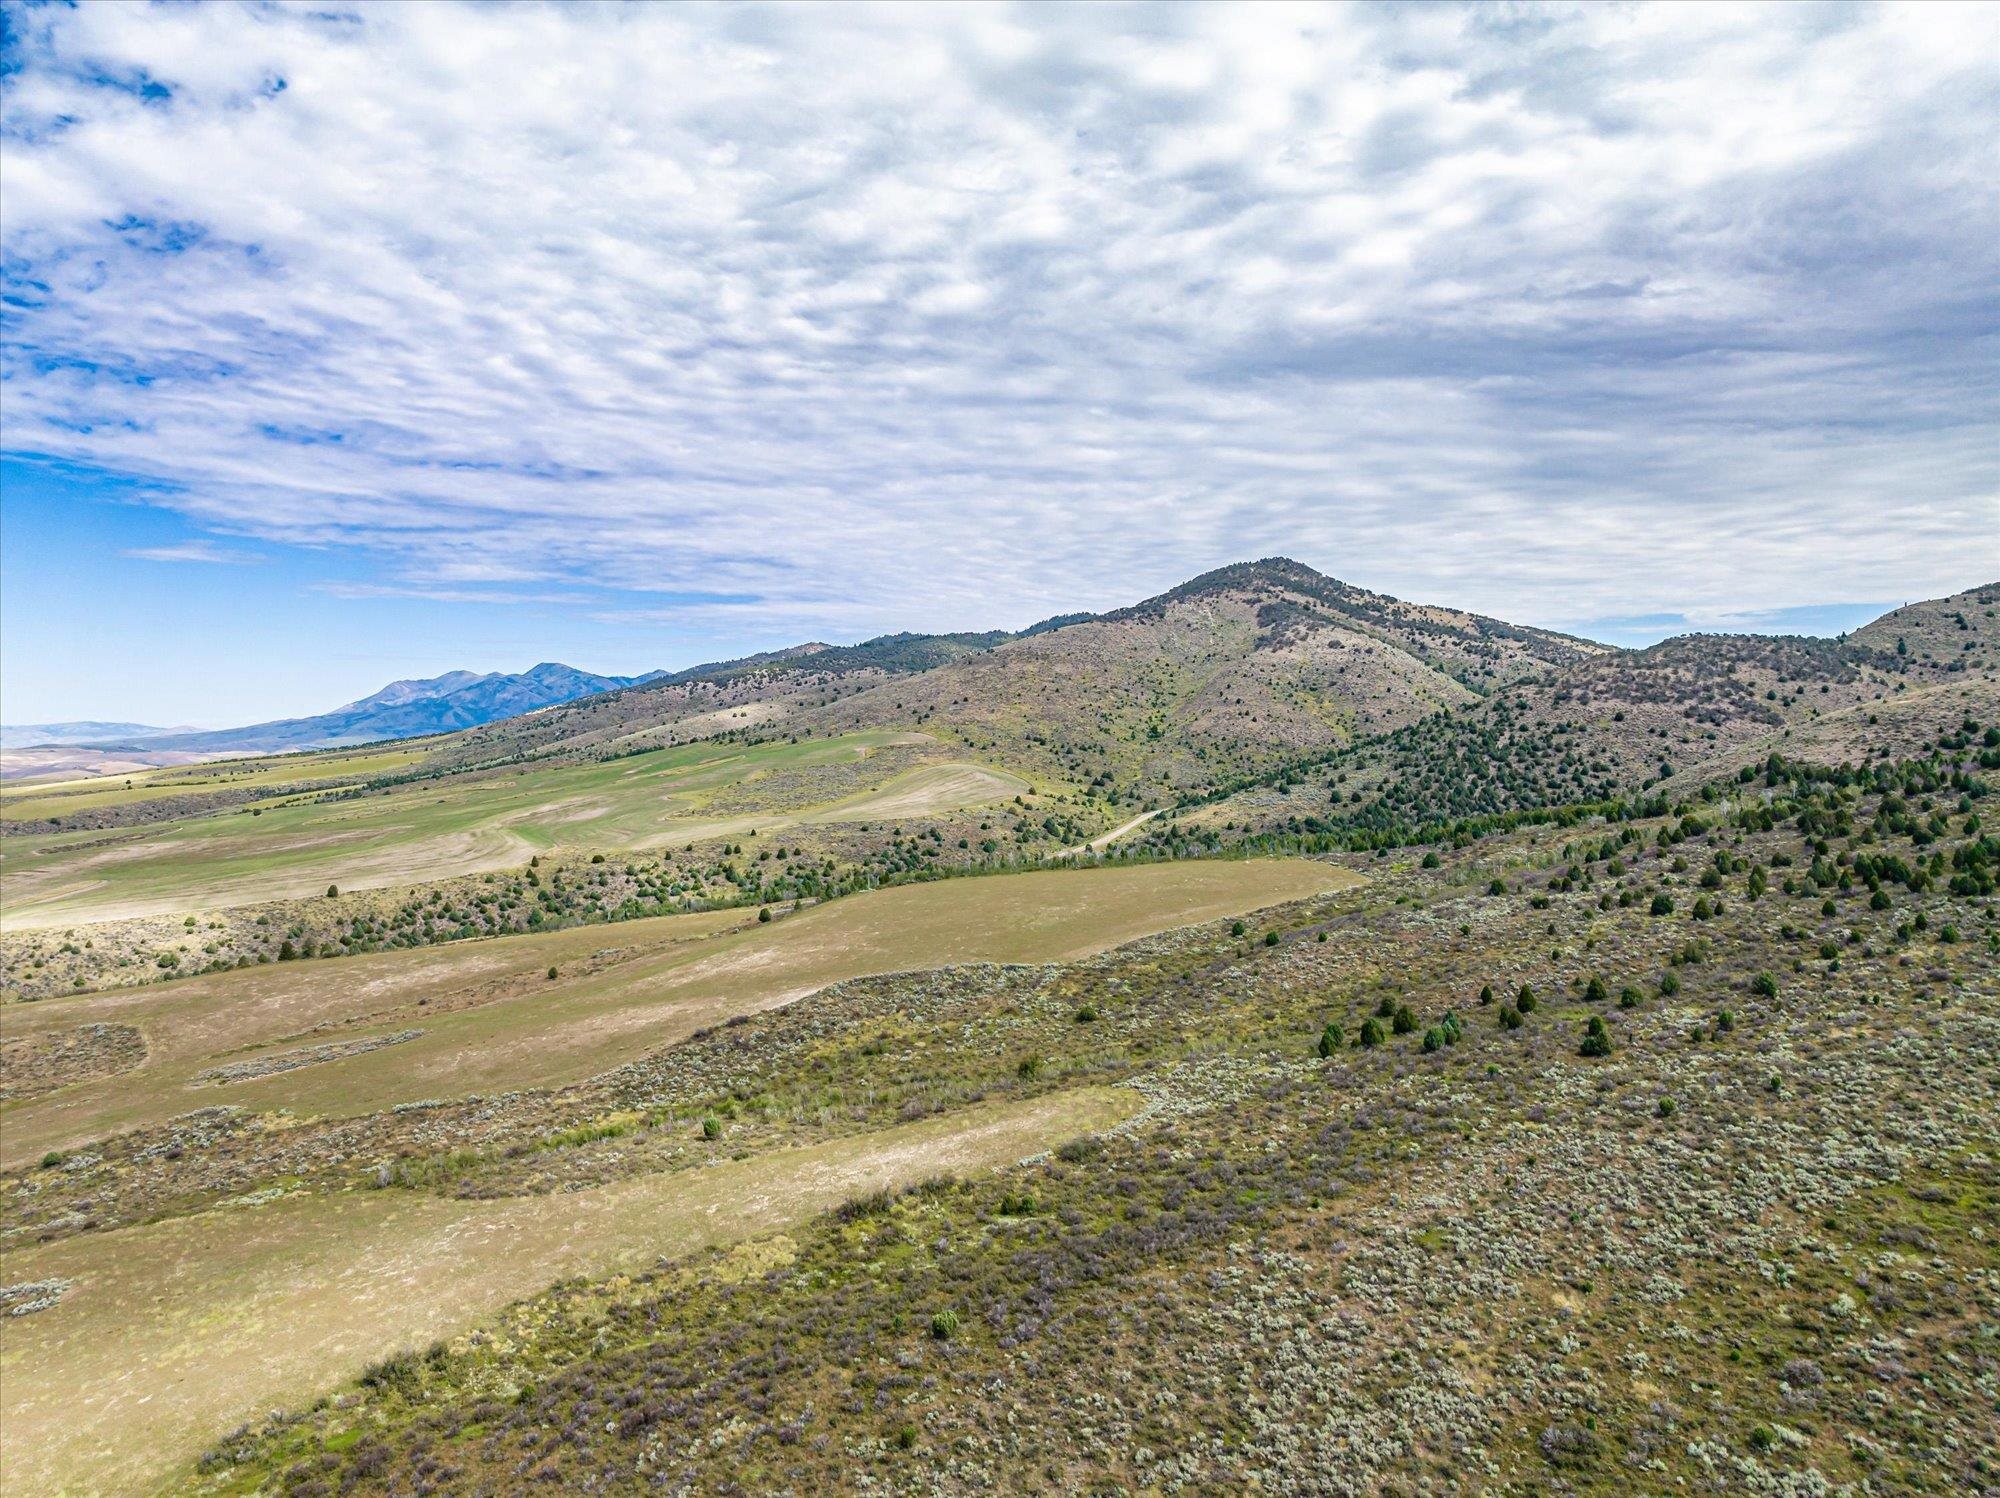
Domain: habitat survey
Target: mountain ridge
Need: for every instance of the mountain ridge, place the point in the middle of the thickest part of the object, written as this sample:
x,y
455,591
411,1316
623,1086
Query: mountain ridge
x,y
408,708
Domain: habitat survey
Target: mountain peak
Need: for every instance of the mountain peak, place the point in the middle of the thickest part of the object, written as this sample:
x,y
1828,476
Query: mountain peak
x,y
1265,575
1264,572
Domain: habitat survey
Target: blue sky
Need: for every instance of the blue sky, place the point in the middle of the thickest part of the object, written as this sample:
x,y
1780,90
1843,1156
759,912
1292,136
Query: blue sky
x,y
342,344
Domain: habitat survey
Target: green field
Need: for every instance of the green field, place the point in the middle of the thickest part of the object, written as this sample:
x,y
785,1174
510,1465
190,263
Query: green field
x,y
491,1019
436,829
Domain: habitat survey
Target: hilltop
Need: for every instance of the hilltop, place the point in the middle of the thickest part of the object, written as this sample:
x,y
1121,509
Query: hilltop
x,y
1235,670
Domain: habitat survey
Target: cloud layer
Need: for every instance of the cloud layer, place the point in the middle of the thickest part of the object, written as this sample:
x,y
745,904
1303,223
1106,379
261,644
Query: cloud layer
x,y
887,317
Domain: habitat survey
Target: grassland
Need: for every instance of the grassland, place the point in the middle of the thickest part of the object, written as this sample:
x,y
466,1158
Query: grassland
x,y
174,1332
1745,1245
490,1019
1547,1127
61,798
293,845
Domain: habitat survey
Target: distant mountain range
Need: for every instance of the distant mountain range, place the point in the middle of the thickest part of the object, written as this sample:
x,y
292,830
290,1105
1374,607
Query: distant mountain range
x,y
402,709
84,731
1251,672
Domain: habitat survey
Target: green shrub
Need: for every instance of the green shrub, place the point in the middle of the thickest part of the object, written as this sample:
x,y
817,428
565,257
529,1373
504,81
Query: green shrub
x,y
1371,1032
1331,1039
871,1204
1510,1017
711,1127
1663,904
1235,928
1433,1040
1764,986
1029,1069
1670,984
1270,938
1628,997
1403,1022
1667,1108
1596,1038
1595,992
1497,887
944,1324
1086,1014
1486,994
1525,1000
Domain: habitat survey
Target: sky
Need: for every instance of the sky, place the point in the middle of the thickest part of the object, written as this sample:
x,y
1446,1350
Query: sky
x,y
348,343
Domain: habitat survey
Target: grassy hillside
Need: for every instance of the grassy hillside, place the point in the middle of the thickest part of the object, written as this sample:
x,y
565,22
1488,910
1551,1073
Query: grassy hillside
x,y
1740,1242
284,1180
373,1031
665,1104
289,845
1238,670
759,692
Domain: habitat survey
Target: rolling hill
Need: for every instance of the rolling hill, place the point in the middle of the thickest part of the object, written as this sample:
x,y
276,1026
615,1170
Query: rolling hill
x,y
754,693
1239,669
808,1069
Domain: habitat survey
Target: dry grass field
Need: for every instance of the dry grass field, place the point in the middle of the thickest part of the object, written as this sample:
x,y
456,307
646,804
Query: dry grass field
x,y
487,1017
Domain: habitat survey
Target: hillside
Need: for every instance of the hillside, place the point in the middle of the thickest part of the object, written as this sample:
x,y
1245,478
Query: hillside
x,y
1236,670
1685,711
811,1072
756,693
1658,1157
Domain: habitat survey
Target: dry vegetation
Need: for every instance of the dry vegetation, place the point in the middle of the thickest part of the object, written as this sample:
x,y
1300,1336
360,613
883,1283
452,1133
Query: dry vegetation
x,y
1631,1128
1749,1249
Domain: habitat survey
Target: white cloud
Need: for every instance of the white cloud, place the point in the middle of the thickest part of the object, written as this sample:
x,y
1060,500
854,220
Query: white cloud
x,y
191,551
894,317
